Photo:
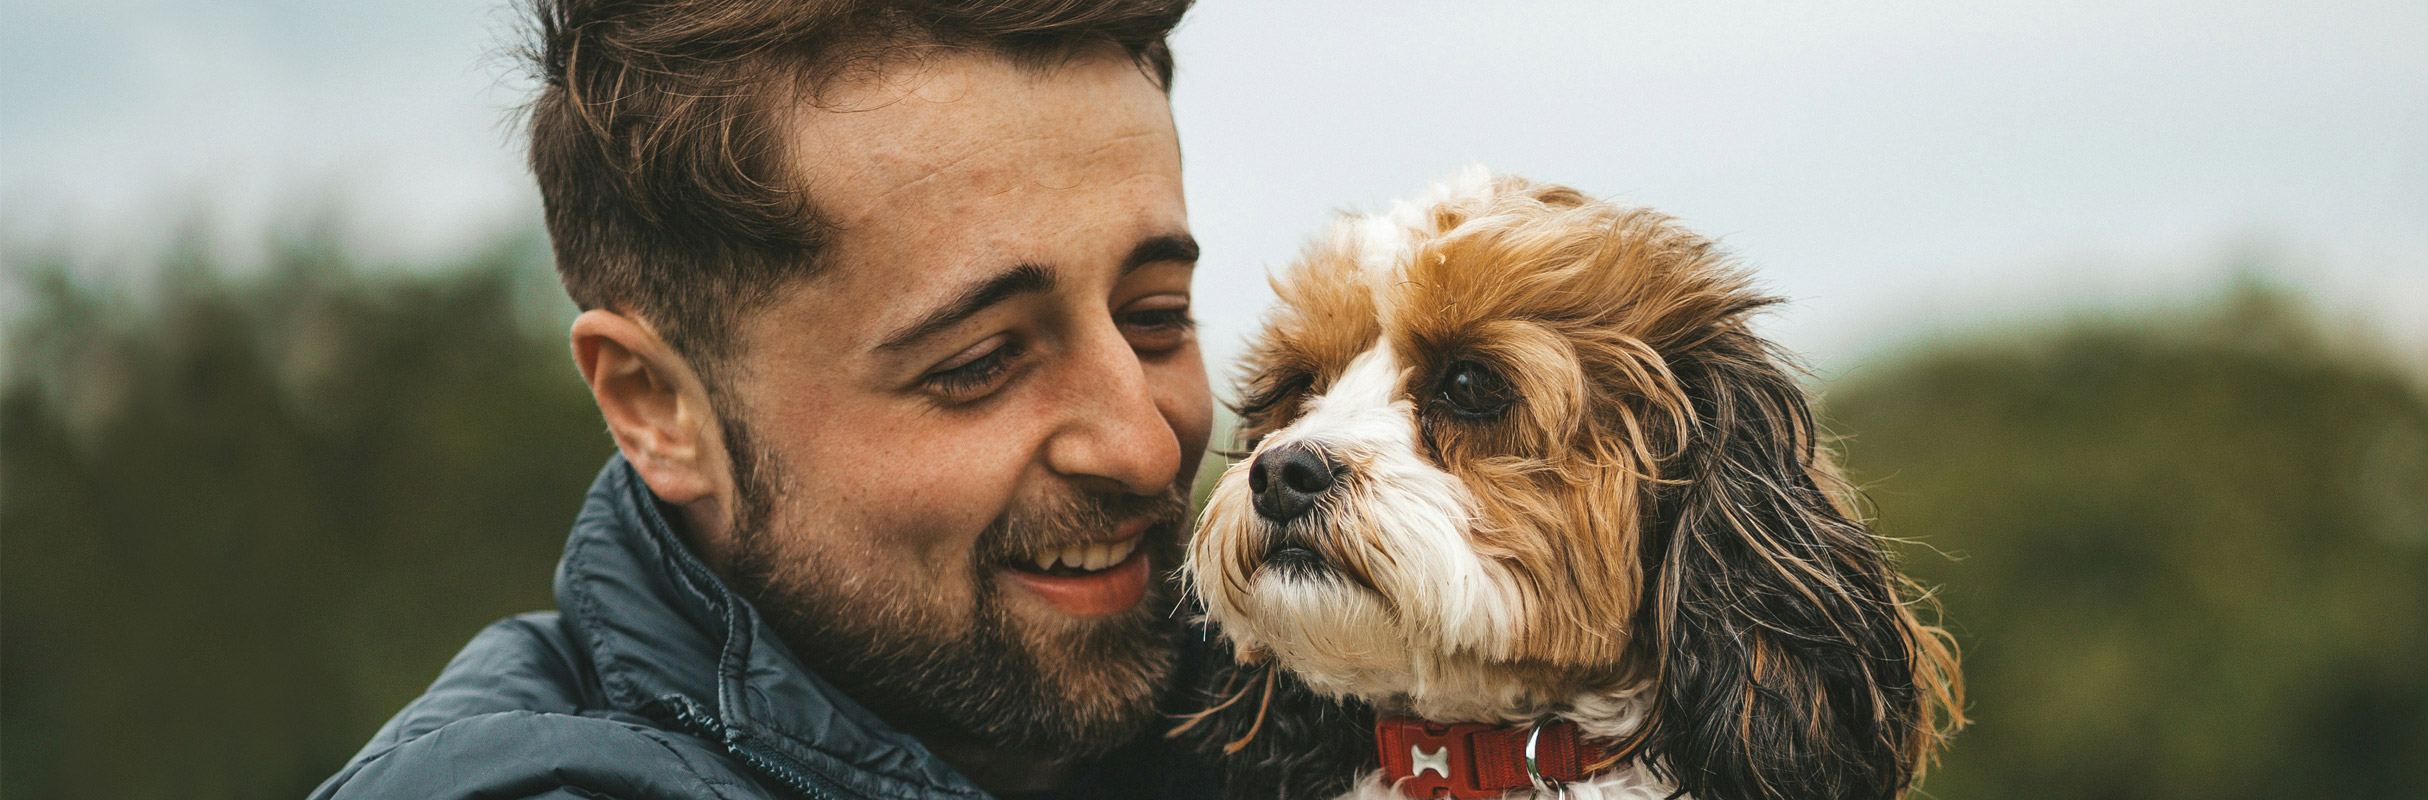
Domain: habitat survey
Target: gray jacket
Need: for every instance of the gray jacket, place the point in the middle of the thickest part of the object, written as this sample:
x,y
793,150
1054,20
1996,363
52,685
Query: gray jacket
x,y
655,681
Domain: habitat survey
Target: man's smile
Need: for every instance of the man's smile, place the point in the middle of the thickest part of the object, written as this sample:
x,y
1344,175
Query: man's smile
x,y
1092,579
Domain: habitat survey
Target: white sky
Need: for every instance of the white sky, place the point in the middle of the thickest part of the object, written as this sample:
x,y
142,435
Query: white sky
x,y
1896,168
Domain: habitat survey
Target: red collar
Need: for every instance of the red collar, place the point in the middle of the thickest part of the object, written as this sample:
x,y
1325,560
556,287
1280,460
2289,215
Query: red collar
x,y
1475,761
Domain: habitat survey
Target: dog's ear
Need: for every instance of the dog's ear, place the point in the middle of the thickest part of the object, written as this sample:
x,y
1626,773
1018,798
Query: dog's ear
x,y
1790,662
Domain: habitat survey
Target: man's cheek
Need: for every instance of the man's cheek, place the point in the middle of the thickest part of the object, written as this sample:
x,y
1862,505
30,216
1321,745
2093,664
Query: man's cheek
x,y
924,535
946,502
956,473
893,527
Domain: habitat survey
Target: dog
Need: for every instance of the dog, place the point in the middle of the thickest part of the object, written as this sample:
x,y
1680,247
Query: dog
x,y
1526,509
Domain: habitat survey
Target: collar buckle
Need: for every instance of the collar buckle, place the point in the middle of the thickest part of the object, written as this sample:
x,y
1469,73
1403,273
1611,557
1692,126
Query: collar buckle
x,y
1430,761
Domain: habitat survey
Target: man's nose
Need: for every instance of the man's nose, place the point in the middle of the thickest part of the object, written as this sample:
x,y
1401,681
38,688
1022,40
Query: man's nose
x,y
1288,480
1115,430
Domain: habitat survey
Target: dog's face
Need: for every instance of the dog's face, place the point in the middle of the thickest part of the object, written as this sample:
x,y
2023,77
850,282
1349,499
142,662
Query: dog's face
x,y
1509,446
1453,415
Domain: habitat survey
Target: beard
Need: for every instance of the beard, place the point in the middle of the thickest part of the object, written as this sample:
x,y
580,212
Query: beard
x,y
1055,689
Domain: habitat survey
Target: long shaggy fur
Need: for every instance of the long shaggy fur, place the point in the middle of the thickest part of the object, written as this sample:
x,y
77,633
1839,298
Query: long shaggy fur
x,y
1274,738
1647,539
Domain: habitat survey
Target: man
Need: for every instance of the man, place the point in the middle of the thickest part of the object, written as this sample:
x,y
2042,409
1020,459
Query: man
x,y
887,308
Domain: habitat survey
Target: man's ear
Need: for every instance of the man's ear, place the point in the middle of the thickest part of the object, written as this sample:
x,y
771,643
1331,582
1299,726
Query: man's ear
x,y
657,408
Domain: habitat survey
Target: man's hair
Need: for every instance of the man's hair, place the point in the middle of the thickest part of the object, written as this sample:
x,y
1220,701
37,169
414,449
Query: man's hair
x,y
659,150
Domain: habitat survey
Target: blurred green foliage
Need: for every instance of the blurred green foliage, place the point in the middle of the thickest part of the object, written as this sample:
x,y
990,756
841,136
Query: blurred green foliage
x,y
243,520
2190,551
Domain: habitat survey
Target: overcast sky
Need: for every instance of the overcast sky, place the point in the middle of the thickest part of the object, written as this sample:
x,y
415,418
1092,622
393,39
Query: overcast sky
x,y
1896,168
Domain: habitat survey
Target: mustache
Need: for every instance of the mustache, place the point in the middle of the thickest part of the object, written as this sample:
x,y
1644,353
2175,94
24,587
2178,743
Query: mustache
x,y
1081,518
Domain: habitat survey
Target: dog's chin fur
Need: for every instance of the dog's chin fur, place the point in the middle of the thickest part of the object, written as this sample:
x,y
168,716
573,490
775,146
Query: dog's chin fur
x,y
1638,531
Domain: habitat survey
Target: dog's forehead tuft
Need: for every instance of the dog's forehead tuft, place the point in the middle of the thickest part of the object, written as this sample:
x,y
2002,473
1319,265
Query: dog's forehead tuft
x,y
1384,243
1472,188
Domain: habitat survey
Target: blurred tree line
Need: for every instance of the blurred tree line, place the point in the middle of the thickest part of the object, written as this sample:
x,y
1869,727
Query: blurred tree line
x,y
244,519
2186,551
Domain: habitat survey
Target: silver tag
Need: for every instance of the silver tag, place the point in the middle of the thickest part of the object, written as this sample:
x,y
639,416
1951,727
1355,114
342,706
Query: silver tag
x,y
1438,761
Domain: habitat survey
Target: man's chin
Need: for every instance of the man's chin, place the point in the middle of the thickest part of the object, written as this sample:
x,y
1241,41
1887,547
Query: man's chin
x,y
1025,675
1102,651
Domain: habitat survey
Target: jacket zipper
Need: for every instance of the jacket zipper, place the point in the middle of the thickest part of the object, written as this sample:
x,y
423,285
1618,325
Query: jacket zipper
x,y
688,715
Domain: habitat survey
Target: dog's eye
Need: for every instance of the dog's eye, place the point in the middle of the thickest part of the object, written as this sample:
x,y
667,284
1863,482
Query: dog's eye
x,y
1268,392
1473,390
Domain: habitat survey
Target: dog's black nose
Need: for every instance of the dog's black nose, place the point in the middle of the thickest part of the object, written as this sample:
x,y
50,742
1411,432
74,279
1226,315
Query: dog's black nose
x,y
1287,480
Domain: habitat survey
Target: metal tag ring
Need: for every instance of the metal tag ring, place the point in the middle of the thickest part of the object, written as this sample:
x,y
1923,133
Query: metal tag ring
x,y
1534,773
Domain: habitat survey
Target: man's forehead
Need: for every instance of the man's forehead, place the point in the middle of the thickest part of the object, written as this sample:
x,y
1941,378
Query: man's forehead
x,y
946,172
930,134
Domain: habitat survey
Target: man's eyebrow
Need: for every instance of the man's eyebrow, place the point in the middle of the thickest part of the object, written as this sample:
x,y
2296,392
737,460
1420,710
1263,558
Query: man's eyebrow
x,y
1019,280
1158,249
1030,279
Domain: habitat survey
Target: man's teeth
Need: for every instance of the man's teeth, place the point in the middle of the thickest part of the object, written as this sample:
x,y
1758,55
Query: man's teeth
x,y
1086,557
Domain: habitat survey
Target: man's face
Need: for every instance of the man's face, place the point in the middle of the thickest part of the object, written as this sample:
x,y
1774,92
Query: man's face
x,y
996,369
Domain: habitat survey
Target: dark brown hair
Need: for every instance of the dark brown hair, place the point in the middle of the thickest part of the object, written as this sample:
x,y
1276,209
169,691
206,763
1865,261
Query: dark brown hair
x,y
660,165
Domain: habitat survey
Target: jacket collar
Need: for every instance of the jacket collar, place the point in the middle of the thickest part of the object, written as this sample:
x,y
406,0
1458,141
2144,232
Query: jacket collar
x,y
668,641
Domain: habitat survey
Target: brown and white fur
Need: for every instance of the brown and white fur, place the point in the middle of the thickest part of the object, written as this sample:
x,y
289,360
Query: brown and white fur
x,y
1565,479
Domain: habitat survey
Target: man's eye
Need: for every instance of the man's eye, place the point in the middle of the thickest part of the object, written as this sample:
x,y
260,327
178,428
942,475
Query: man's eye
x,y
1157,329
1159,318
972,378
